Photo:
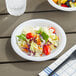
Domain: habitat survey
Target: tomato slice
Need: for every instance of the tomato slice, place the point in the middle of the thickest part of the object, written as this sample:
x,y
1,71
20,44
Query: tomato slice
x,y
52,29
29,35
63,5
46,49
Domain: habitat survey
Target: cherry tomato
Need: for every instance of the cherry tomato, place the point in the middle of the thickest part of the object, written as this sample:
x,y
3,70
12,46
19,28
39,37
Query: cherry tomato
x,y
52,28
29,35
46,49
63,5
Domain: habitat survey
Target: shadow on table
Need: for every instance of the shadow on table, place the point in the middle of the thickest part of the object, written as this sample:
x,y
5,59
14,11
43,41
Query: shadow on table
x,y
11,55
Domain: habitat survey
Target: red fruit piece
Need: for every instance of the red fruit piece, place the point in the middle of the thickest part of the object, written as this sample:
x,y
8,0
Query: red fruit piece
x,y
52,29
64,5
46,49
29,35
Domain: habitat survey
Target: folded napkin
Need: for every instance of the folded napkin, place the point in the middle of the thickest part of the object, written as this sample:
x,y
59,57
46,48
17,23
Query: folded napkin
x,y
68,69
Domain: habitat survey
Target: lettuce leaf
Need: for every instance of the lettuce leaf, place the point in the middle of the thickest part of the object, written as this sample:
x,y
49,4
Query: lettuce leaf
x,y
22,36
45,36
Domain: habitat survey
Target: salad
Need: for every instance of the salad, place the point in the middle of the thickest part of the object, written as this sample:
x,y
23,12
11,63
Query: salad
x,y
38,41
66,3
